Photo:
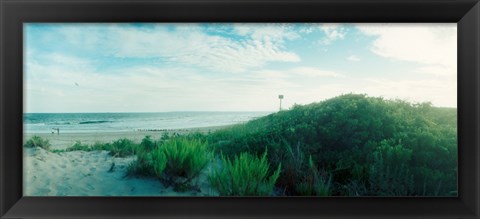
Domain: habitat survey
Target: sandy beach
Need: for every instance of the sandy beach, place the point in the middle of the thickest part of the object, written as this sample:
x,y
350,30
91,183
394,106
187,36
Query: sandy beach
x,y
65,140
81,173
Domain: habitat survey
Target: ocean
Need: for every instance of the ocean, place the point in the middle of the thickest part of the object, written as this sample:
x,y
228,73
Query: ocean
x,y
115,122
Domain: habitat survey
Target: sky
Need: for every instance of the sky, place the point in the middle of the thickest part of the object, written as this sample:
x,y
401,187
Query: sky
x,y
165,67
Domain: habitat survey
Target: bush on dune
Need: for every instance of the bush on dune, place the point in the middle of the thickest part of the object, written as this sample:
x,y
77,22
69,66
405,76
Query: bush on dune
x,y
186,158
345,136
148,163
123,148
37,141
148,143
119,148
78,146
389,172
177,161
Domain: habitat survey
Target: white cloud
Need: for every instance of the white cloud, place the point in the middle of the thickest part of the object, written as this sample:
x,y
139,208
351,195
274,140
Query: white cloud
x,y
432,46
188,44
267,32
427,44
353,58
332,32
303,71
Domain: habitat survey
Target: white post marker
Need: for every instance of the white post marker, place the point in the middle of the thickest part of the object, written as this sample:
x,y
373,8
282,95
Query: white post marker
x,y
280,97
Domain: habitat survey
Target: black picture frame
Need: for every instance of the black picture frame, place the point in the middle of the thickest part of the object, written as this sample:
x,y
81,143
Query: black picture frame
x,y
13,13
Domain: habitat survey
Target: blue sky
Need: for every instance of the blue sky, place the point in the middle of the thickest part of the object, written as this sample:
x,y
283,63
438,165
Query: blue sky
x,y
233,67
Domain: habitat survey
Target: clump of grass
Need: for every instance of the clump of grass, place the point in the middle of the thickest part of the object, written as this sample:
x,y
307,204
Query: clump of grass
x,y
150,160
177,162
314,184
57,150
151,163
78,146
122,148
98,146
246,175
165,136
186,158
119,148
147,143
37,141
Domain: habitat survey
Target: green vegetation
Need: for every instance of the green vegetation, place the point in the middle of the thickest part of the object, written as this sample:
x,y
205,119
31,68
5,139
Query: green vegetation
x,y
350,145
313,184
358,145
123,148
37,141
185,158
147,143
246,175
176,161
151,163
78,146
119,148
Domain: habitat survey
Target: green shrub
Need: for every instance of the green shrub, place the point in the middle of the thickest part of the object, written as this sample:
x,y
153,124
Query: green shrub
x,y
165,136
158,162
295,165
246,175
148,163
37,141
185,158
97,146
342,134
147,143
313,184
177,162
390,173
122,148
78,146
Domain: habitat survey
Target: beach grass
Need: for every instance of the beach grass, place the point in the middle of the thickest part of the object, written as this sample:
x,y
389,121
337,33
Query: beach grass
x,y
245,175
176,161
313,183
37,141
186,158
148,163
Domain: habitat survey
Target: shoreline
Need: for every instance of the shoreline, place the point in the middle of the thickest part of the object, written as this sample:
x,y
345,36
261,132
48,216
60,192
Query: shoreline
x,y
65,140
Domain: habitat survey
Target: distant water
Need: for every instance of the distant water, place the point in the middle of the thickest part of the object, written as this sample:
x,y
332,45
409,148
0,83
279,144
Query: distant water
x,y
113,122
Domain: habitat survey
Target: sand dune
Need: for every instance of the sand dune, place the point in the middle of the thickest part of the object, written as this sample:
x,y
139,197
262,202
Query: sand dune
x,y
80,173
